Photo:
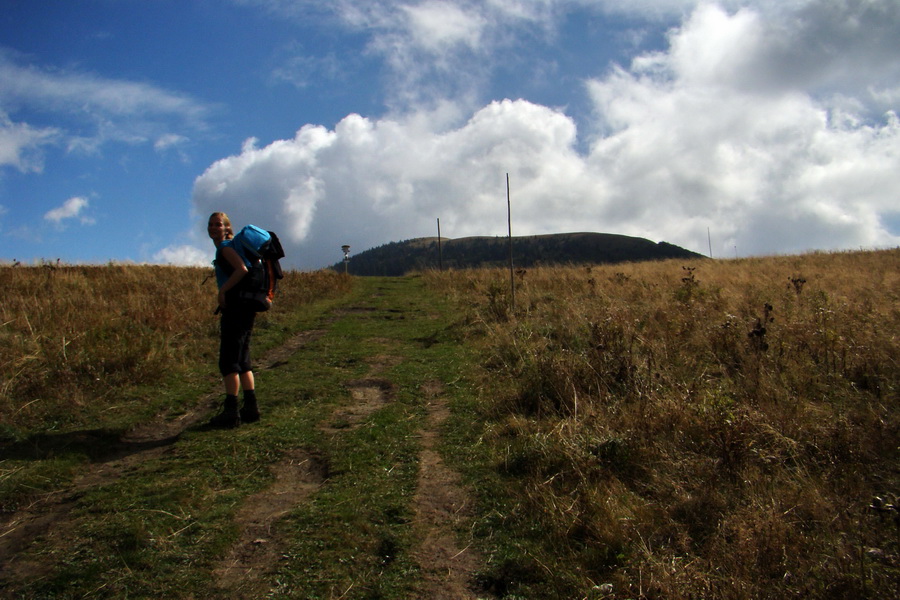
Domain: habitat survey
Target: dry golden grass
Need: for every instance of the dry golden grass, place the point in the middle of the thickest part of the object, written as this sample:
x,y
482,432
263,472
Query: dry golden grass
x,y
714,429
76,341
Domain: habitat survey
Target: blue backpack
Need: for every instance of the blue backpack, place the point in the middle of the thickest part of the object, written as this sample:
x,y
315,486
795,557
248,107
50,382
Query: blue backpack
x,y
261,251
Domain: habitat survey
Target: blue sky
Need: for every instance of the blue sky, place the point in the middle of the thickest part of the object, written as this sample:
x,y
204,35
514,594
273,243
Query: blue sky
x,y
761,126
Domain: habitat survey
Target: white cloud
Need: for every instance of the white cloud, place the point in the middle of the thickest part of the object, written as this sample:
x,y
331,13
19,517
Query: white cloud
x,y
97,110
765,167
183,255
73,208
370,182
173,143
820,47
168,141
432,49
437,26
72,91
20,144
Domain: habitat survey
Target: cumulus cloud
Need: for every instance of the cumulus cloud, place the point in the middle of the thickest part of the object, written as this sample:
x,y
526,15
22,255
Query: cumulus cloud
x,y
821,47
716,133
183,255
763,166
73,208
370,182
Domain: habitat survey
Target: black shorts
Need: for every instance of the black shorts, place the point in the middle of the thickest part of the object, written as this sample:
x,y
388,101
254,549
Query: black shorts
x,y
236,329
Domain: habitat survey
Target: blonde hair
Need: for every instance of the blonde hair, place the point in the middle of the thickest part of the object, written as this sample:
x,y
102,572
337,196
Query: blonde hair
x,y
229,232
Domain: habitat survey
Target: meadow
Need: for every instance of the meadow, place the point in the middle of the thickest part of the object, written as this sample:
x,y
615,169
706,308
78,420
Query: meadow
x,y
666,430
713,429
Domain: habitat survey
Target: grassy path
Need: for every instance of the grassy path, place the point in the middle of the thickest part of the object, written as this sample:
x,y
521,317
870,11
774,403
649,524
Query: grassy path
x,y
340,491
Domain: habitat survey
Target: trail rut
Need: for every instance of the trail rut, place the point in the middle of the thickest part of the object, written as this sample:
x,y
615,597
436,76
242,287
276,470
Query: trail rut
x,y
243,573
441,505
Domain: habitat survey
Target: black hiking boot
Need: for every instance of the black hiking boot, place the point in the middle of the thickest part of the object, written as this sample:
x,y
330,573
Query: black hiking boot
x,y
250,410
229,417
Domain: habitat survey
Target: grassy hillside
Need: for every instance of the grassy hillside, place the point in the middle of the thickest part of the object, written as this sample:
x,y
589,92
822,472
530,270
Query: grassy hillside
x,y
677,429
683,430
91,346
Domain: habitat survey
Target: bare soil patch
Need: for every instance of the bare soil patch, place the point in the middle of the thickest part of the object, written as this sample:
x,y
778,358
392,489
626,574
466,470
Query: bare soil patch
x,y
368,395
441,506
383,362
244,572
441,503
277,357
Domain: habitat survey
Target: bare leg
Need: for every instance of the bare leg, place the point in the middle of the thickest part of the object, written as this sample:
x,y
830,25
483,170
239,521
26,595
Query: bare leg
x,y
247,381
232,382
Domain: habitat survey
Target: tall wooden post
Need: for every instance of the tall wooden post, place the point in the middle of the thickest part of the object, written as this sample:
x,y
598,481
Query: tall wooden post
x,y
440,252
512,279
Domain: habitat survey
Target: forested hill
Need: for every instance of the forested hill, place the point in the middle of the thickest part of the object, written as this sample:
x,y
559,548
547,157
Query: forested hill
x,y
399,258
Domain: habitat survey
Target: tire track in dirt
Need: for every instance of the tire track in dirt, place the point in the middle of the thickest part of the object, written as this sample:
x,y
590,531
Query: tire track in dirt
x,y
244,574
246,571
441,504
47,514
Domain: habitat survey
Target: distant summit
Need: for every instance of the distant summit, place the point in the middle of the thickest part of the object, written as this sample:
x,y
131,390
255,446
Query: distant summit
x,y
399,258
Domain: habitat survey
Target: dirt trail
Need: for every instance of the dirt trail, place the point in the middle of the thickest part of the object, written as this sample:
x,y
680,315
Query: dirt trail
x,y
440,504
255,555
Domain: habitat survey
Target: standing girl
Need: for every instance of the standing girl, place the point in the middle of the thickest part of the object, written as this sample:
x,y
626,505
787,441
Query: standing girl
x,y
236,329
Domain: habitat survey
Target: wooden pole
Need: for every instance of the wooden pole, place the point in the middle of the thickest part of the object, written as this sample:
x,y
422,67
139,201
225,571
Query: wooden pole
x,y
512,279
440,252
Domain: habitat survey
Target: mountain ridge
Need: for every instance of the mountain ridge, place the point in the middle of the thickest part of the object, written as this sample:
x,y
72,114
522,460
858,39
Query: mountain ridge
x,y
399,258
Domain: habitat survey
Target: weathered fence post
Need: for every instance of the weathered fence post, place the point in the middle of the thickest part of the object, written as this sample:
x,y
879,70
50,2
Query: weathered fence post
x,y
512,279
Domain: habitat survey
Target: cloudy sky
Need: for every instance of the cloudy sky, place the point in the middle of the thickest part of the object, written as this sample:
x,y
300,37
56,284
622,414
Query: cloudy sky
x,y
754,126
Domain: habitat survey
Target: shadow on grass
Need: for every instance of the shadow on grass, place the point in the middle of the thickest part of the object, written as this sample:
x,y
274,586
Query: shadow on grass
x,y
98,445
